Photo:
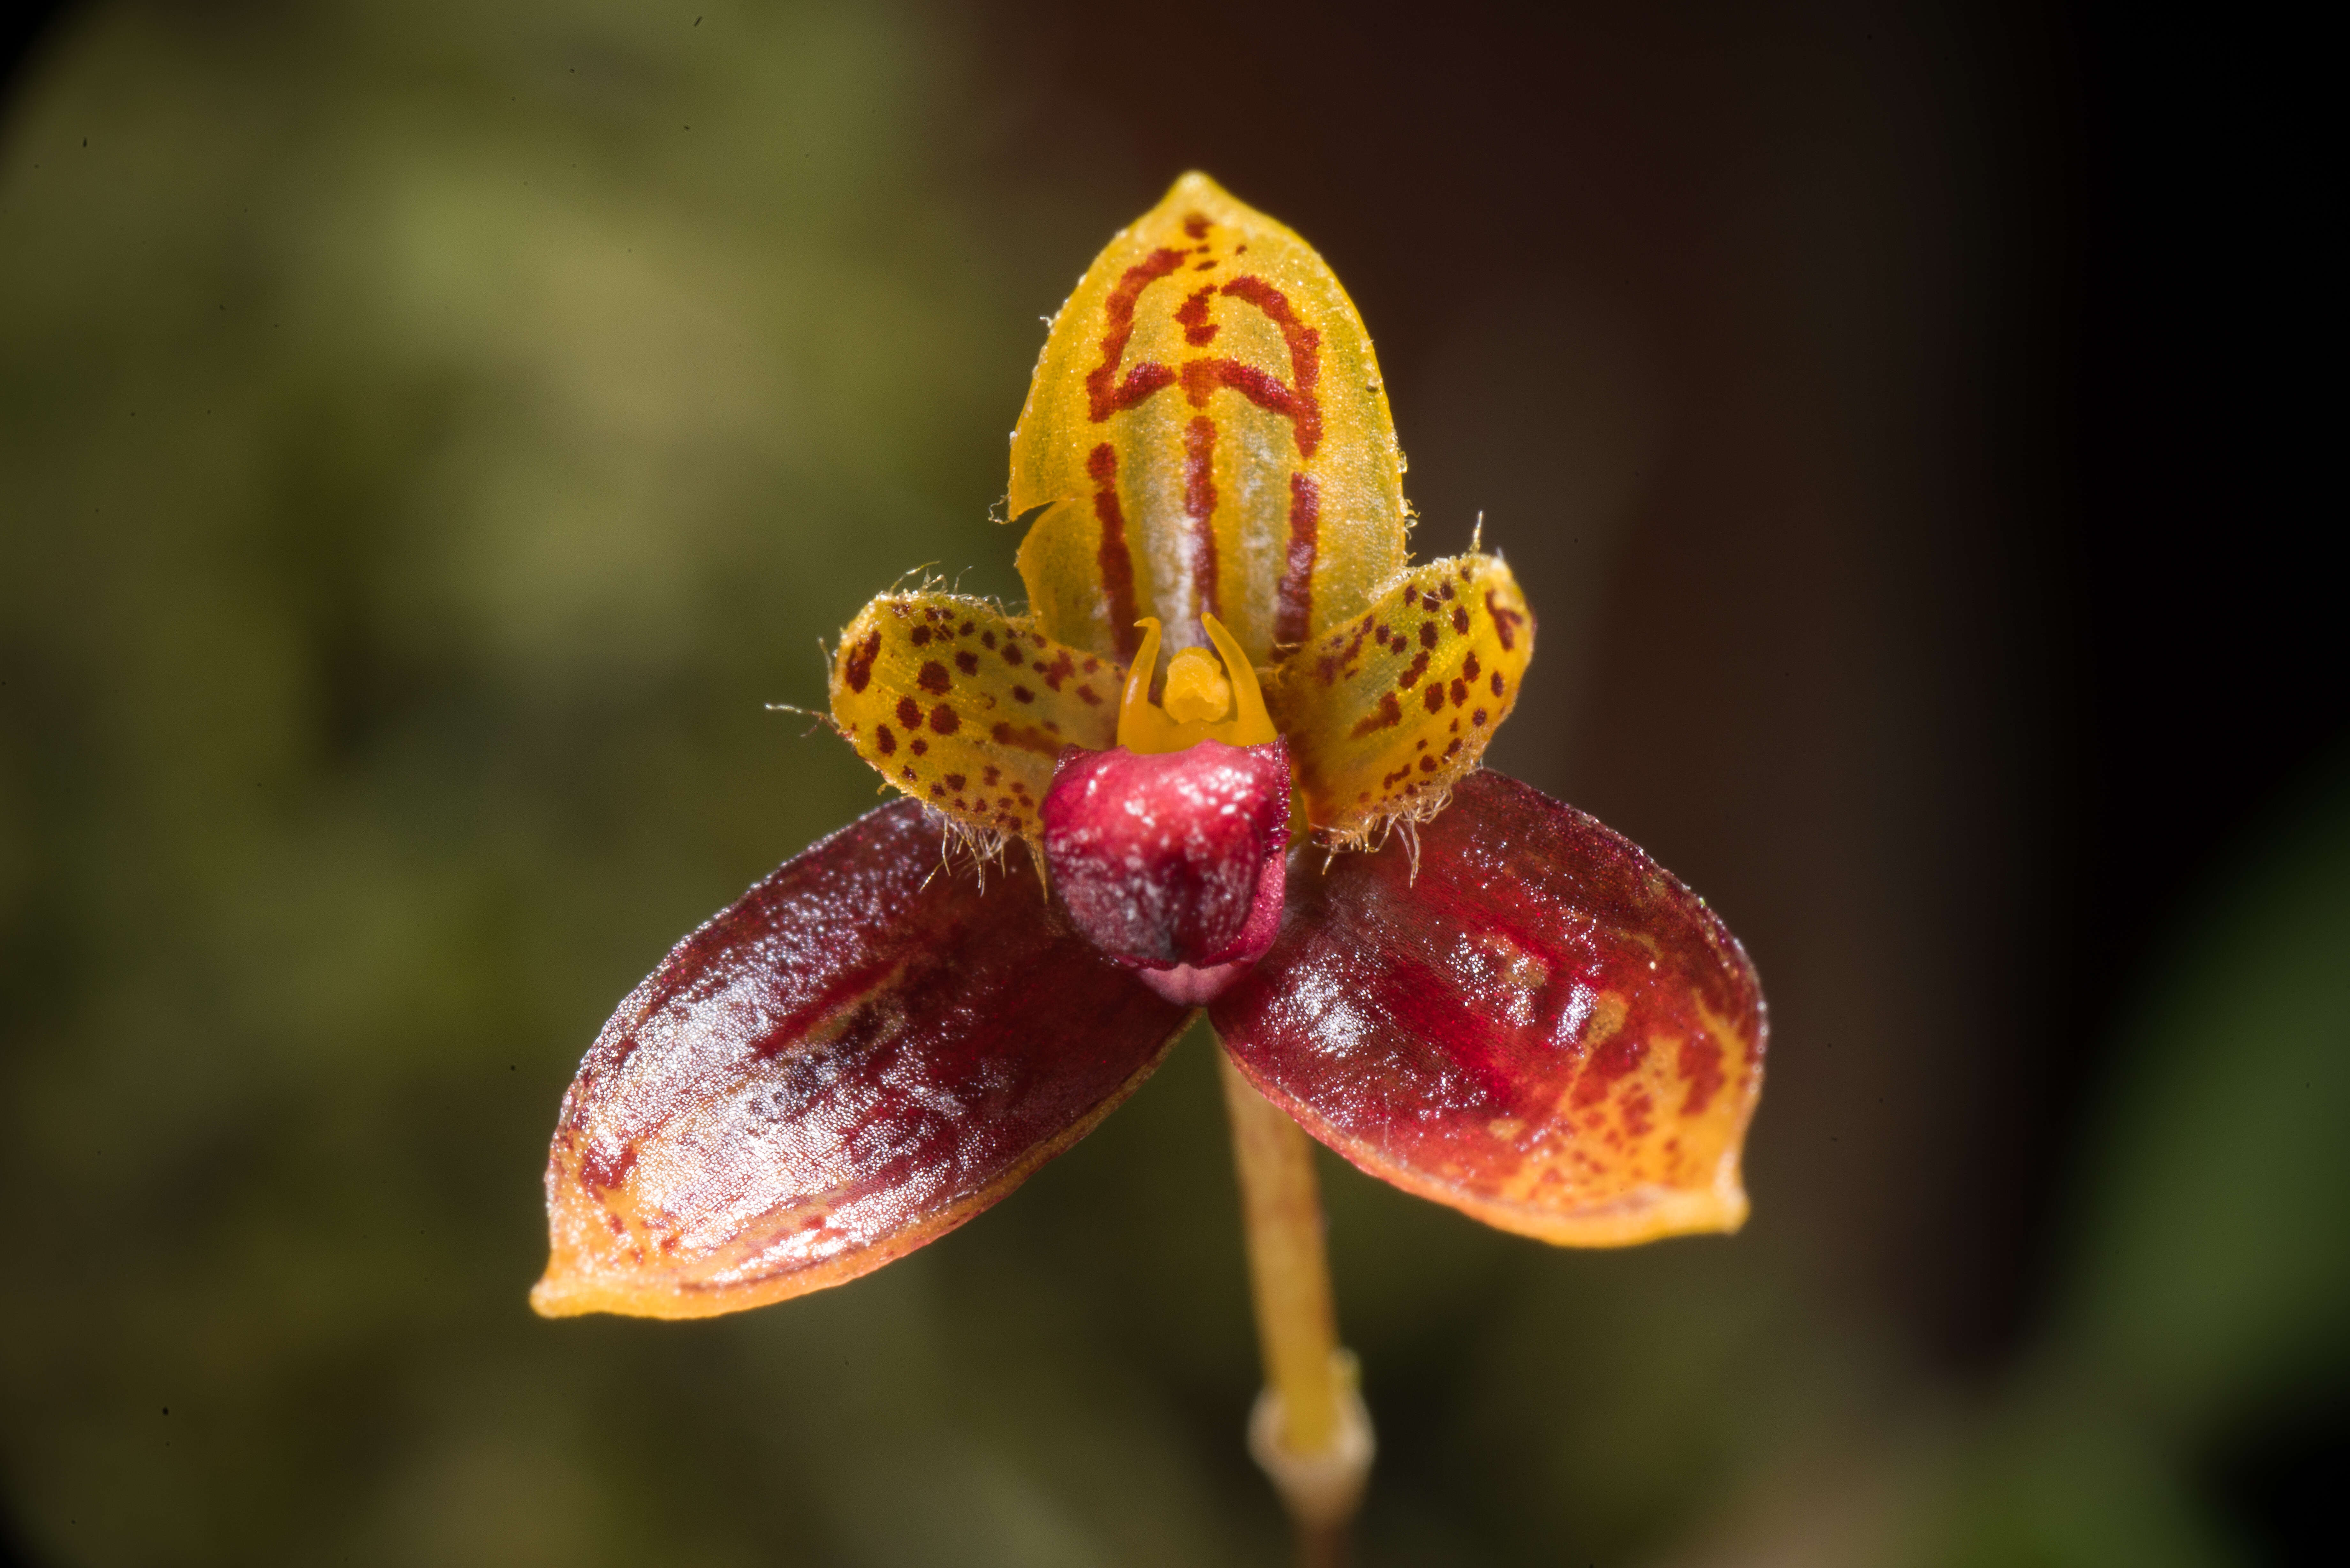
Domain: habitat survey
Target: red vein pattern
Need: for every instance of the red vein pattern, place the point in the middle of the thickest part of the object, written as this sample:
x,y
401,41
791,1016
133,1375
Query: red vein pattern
x,y
857,1056
1542,1027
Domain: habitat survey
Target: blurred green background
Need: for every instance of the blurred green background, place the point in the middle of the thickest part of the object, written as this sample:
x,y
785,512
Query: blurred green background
x,y
431,434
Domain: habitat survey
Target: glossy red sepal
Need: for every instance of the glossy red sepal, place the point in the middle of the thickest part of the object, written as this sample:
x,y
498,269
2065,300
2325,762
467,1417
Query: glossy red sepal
x,y
1171,863
863,1052
1544,1029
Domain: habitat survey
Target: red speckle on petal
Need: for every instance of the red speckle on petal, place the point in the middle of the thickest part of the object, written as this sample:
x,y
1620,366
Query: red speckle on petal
x,y
1389,714
1027,738
857,669
1506,620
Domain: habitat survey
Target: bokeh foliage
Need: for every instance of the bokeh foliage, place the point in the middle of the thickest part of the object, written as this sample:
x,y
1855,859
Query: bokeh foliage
x,y
428,437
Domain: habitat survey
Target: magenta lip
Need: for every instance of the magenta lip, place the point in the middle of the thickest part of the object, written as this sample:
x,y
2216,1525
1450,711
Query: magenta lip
x,y
1172,863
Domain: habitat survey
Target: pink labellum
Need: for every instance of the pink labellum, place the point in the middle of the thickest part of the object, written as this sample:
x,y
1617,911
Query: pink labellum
x,y
1544,1029
860,1053
1172,863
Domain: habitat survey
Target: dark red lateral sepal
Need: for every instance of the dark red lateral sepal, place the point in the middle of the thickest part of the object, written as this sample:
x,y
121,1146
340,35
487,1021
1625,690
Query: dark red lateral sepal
x,y
1545,1030
854,1057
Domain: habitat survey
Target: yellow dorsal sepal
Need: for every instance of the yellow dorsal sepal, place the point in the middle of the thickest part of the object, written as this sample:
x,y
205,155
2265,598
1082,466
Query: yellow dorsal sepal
x,y
1207,430
1195,689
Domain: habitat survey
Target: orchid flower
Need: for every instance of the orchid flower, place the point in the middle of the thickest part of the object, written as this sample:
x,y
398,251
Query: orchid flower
x,y
1228,759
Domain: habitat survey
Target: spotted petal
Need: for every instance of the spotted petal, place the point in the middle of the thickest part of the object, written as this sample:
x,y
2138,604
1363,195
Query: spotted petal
x,y
1543,1030
967,709
853,1059
1385,713
1208,432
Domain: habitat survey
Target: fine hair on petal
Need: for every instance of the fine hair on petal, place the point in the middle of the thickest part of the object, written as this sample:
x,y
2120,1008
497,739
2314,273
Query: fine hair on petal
x,y
979,848
1408,820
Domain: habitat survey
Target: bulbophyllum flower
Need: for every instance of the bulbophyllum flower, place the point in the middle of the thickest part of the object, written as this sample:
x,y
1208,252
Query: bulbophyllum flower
x,y
1227,759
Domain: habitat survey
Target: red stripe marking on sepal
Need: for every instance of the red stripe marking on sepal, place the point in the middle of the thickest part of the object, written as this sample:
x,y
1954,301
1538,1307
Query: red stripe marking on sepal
x,y
1103,398
1112,557
1200,506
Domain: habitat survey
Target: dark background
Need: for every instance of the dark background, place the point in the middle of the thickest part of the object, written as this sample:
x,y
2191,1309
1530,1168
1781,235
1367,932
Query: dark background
x,y
1892,412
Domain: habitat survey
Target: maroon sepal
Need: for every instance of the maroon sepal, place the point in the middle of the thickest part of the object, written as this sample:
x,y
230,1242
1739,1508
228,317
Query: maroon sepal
x,y
860,1053
1544,1029
1171,862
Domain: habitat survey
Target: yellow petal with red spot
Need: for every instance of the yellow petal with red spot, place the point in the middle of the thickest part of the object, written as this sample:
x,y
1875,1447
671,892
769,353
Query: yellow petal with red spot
x,y
1209,431
965,708
1385,713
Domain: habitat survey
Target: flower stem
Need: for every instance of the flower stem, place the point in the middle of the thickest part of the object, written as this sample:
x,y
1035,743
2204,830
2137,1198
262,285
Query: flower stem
x,y
1310,1431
